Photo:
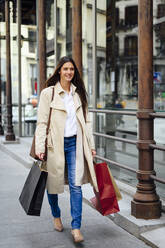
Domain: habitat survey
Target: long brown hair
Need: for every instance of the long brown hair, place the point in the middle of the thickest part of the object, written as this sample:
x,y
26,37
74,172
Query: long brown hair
x,y
76,81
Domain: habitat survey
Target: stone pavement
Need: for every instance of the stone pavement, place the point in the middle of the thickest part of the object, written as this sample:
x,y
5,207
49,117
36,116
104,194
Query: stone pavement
x,y
19,230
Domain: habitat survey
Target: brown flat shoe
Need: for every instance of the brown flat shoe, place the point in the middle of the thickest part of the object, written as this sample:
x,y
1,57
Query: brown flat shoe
x,y
58,224
77,236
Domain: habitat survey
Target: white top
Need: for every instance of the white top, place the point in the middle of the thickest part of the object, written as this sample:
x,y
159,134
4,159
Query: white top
x,y
71,122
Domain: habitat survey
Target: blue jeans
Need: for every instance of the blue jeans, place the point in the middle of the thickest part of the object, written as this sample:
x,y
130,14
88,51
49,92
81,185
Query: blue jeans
x,y
75,191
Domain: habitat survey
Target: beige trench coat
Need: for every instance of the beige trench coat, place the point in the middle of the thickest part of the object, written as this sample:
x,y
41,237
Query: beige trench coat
x,y
55,159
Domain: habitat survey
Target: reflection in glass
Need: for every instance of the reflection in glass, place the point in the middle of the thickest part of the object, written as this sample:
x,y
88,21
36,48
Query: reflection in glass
x,y
117,80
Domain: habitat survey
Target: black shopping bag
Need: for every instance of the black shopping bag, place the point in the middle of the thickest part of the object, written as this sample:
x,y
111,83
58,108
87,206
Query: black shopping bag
x,y
31,197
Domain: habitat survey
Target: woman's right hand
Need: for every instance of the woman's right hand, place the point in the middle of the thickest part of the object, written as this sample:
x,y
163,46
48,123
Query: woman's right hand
x,y
40,156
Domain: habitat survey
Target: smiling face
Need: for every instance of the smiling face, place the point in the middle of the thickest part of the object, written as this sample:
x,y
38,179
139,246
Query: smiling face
x,y
67,72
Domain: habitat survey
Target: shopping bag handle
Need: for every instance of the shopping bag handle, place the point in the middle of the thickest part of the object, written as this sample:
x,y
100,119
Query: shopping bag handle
x,y
39,164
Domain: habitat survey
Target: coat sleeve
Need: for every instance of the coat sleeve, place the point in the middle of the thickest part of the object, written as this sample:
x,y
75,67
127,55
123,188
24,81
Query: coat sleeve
x,y
90,133
42,120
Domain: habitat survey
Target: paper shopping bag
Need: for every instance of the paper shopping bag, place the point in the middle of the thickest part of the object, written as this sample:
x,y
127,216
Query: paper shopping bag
x,y
105,201
31,197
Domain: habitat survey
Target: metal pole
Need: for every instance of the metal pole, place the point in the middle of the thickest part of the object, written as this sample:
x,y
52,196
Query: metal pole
x,y
1,128
113,52
111,69
94,59
37,38
37,55
10,136
19,66
94,51
77,33
41,43
146,203
55,33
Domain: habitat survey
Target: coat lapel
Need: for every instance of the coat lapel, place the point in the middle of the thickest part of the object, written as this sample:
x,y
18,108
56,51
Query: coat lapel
x,y
58,103
77,101
76,98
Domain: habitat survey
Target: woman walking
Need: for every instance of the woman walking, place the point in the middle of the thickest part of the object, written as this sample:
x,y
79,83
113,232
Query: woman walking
x,y
70,142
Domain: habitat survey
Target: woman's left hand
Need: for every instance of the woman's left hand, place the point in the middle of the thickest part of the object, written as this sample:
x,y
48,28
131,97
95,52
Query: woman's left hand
x,y
93,152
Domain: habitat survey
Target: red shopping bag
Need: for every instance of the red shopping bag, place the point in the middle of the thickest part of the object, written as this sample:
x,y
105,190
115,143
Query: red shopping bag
x,y
105,201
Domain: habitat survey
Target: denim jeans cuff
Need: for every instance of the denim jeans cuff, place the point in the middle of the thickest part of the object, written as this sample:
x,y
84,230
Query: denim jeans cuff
x,y
76,227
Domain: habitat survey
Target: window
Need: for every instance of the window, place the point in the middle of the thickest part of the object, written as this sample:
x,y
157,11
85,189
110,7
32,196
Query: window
x,y
109,18
68,14
68,27
50,15
2,13
14,11
131,46
161,10
131,16
112,22
117,17
49,12
33,78
112,47
32,40
58,20
28,12
58,51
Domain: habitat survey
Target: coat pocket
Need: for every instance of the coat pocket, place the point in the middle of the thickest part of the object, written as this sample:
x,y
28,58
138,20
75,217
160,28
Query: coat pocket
x,y
49,140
